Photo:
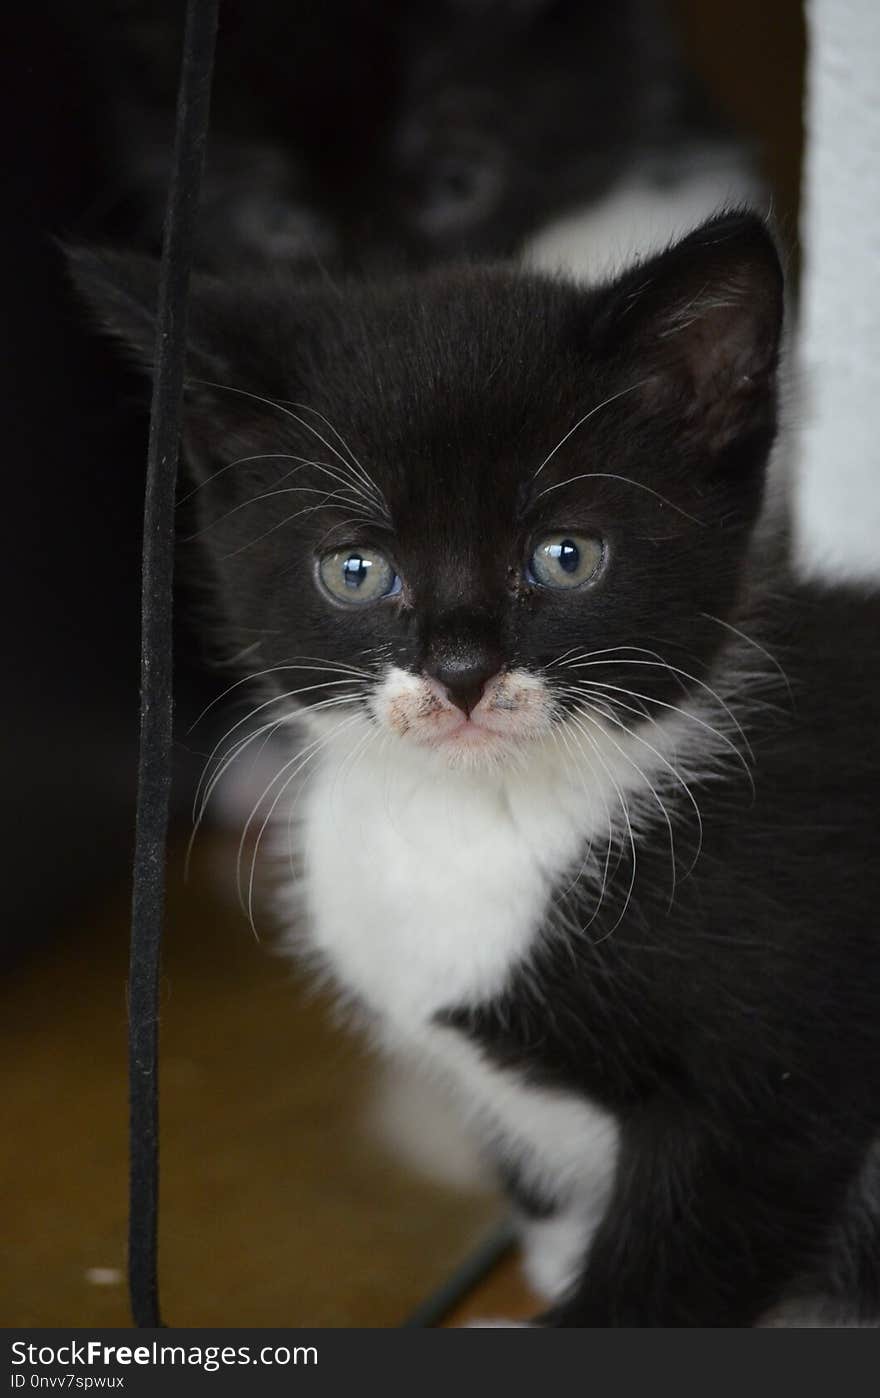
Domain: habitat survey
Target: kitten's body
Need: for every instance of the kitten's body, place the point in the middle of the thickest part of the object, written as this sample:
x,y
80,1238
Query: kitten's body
x,y
461,950
626,903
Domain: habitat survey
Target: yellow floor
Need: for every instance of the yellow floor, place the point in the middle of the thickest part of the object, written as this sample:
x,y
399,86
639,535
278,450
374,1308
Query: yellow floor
x,y
278,1206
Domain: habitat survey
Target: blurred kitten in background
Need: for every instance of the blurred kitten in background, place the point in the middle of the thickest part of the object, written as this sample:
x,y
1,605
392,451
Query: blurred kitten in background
x,y
374,133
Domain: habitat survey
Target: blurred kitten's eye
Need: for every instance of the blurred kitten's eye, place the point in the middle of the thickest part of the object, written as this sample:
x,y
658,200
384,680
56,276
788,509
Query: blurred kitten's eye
x,y
565,560
460,191
456,182
357,576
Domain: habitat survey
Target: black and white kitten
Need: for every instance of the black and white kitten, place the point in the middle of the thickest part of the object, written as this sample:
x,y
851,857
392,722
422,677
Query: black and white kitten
x,y
365,132
584,781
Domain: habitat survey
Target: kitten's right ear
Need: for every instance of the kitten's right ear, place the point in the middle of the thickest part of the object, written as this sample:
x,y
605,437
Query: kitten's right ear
x,y
700,326
122,290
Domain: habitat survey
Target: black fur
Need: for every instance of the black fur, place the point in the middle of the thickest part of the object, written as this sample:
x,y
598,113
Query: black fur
x,y
734,1031
735,1035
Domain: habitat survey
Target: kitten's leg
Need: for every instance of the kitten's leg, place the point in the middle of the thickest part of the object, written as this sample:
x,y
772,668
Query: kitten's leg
x,y
705,1229
554,1231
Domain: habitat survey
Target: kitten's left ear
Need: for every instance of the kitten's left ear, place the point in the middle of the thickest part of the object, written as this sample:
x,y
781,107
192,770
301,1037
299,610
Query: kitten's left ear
x,y
701,324
121,289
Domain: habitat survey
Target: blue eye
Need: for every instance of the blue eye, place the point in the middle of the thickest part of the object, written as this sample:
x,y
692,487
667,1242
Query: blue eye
x,y
565,561
358,576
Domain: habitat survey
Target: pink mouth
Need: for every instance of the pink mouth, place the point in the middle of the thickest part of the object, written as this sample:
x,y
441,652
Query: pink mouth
x,y
468,732
455,726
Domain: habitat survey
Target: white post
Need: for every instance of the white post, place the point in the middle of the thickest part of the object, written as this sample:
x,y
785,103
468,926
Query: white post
x,y
837,511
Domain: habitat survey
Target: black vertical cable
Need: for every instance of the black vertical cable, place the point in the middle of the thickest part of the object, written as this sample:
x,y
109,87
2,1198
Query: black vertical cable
x,y
154,769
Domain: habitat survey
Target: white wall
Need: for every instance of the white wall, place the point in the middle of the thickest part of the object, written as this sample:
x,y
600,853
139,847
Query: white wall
x,y
838,456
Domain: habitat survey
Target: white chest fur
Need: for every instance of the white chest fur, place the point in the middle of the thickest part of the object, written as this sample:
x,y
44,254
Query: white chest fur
x,y
426,887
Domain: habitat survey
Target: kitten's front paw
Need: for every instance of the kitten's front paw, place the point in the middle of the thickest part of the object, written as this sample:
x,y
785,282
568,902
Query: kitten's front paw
x,y
553,1251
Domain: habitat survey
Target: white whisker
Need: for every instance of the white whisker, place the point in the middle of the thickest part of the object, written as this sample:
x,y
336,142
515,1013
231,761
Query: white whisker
x,y
626,480
259,456
684,674
279,407
559,732
580,422
688,714
318,663
326,503
274,699
365,475
200,808
625,811
609,705
587,711
297,763
728,626
326,495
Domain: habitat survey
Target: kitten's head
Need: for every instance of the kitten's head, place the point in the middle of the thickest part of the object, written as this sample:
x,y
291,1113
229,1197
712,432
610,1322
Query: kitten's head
x,y
480,504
